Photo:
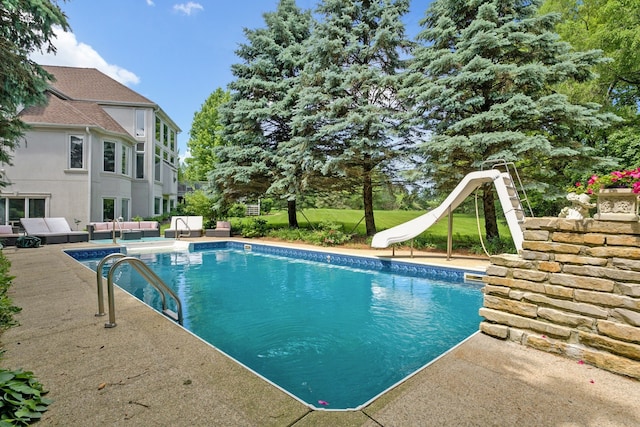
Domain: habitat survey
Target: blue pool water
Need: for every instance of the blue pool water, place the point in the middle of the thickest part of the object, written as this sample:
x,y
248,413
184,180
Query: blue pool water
x,y
334,336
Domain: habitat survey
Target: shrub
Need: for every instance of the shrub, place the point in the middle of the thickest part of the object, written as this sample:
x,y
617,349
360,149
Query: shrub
x,y
266,205
256,227
329,234
237,210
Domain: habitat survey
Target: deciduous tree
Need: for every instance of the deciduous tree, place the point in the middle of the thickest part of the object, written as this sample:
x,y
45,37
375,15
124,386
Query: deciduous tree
x,y
205,135
612,26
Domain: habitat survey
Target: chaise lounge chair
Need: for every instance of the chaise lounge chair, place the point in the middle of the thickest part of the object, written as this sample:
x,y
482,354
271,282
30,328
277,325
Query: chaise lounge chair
x,y
52,230
184,226
7,236
60,225
223,229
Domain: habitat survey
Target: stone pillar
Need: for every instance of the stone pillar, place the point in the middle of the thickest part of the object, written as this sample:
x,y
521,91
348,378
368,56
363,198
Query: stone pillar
x,y
574,290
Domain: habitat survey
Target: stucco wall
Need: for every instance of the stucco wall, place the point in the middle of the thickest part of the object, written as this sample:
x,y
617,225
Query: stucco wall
x,y
574,290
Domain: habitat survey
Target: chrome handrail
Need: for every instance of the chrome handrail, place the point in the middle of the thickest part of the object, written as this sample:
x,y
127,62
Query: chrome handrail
x,y
152,278
178,231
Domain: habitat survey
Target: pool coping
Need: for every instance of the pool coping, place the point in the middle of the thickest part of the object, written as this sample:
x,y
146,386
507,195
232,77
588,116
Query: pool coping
x,y
378,264
147,371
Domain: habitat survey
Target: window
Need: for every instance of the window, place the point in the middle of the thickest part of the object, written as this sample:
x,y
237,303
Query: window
x,y
139,165
140,127
36,208
165,134
109,156
108,209
124,212
76,152
172,140
16,210
21,207
125,161
158,129
157,206
156,172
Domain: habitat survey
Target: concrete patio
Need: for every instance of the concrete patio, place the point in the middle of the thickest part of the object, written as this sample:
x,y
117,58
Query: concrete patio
x,y
148,371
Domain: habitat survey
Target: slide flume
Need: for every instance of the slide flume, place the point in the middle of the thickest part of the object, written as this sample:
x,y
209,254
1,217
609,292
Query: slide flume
x,y
506,193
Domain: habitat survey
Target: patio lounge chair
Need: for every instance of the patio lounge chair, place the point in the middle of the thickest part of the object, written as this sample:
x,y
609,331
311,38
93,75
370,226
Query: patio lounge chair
x,y
7,236
184,226
52,230
223,229
60,225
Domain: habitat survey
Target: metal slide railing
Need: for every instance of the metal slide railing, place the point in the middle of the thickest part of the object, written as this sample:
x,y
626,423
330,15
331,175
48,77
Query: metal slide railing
x,y
151,278
518,193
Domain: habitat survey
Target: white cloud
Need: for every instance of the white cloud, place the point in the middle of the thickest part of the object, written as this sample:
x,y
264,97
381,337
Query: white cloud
x,y
188,8
150,3
72,53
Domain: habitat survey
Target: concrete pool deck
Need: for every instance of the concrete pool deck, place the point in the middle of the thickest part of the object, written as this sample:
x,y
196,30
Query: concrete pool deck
x,y
149,371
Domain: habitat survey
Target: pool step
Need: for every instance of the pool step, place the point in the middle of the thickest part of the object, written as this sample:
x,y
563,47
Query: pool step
x,y
156,247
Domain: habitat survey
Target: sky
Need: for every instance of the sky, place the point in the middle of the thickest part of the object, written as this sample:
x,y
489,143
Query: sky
x,y
174,53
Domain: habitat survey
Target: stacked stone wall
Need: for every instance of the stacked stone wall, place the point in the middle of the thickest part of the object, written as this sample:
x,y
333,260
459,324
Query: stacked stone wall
x,y
574,290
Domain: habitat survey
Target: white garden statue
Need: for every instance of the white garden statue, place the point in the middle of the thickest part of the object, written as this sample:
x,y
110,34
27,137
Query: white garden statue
x,y
580,205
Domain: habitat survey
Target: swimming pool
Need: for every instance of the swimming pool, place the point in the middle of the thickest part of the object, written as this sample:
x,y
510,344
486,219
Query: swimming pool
x,y
333,330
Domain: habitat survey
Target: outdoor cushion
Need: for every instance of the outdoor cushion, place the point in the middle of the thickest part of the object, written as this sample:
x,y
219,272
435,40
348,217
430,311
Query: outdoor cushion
x,y
34,225
57,225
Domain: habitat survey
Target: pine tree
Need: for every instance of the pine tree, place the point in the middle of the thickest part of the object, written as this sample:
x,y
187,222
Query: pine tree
x,y
348,111
257,119
483,82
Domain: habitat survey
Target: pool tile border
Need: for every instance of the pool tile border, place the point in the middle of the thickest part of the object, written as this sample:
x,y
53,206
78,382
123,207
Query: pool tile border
x,y
355,261
368,263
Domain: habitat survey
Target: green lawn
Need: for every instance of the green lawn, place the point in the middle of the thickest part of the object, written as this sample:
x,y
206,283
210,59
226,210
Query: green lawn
x,y
465,228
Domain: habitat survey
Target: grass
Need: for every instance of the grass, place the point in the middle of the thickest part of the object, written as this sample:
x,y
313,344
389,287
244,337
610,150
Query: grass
x,y
465,228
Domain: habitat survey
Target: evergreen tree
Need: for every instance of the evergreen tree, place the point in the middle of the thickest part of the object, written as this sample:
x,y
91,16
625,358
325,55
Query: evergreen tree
x,y
348,113
205,135
25,26
483,82
257,119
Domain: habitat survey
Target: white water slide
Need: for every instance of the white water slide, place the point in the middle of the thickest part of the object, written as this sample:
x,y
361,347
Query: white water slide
x,y
507,195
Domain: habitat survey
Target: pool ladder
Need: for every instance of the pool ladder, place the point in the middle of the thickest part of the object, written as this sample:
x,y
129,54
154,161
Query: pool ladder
x,y
151,278
179,231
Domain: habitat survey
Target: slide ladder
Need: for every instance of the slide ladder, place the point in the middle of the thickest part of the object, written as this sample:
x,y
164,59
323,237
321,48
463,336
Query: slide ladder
x,y
507,195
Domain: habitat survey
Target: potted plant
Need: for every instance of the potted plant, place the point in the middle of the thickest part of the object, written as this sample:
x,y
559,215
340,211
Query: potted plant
x,y
616,192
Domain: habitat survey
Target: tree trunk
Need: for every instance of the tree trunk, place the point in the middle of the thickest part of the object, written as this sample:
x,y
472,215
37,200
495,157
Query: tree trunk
x,y
367,198
490,219
291,210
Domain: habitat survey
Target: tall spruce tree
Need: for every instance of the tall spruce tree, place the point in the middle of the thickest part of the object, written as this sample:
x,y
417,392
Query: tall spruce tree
x,y
257,119
483,82
348,110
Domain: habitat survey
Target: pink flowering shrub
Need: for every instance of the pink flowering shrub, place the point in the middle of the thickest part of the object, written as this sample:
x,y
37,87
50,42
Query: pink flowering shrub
x,y
617,179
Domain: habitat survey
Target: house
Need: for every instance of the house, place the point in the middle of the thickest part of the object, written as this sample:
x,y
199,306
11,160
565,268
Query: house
x,y
96,151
